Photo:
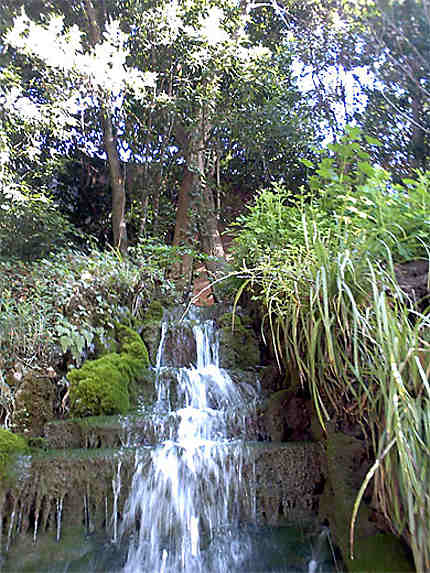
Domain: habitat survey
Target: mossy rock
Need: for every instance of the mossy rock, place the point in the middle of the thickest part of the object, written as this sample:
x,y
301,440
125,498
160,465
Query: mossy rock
x,y
99,387
239,346
274,415
130,343
150,328
10,446
346,469
105,343
151,333
287,416
233,320
34,405
380,553
374,551
110,384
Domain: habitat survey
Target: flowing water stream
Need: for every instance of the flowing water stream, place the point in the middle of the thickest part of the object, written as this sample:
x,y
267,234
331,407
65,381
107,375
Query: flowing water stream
x,y
191,503
188,497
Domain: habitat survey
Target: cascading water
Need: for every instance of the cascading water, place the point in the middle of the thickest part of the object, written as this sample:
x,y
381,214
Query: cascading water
x,y
202,496
187,496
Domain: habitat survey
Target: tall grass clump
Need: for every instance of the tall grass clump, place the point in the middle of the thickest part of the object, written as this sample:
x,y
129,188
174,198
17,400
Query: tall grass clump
x,y
334,309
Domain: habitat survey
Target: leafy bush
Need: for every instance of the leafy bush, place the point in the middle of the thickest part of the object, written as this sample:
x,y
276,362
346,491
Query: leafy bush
x,y
31,228
351,204
70,302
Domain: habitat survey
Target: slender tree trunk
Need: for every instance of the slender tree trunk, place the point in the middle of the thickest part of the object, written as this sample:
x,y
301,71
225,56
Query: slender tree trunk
x,y
182,270
208,223
210,237
119,227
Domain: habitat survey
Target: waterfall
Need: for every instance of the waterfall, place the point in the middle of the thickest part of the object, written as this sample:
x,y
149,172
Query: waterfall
x,y
184,508
183,484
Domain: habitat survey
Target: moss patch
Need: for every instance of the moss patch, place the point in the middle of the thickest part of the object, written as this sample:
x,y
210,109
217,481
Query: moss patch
x,y
238,346
10,445
130,343
154,312
374,551
150,328
108,385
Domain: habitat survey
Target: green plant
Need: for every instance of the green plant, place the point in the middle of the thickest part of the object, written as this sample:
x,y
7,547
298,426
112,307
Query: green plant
x,y
336,314
350,204
68,302
32,227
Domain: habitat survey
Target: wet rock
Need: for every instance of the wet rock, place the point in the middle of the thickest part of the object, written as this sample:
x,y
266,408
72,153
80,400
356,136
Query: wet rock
x,y
34,405
287,417
239,347
180,346
289,480
412,277
347,465
271,379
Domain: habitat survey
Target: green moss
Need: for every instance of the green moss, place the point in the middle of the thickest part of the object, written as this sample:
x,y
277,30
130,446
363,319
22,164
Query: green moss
x,y
374,552
108,385
151,328
10,445
99,388
228,319
131,343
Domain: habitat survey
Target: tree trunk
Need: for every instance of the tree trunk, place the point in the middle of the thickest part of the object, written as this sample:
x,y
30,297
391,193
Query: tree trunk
x,y
119,227
182,270
208,224
210,237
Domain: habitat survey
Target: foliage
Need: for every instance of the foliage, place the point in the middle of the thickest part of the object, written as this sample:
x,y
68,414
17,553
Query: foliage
x,y
31,228
351,203
10,444
336,313
67,303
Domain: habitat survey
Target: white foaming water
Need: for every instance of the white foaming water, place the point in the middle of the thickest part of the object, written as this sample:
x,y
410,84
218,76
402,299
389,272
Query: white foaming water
x,y
187,493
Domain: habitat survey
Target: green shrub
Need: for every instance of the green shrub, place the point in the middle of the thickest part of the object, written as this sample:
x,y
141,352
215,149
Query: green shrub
x,y
337,314
65,303
351,204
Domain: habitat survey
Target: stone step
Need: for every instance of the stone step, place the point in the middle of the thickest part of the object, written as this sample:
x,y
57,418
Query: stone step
x,y
80,488
148,427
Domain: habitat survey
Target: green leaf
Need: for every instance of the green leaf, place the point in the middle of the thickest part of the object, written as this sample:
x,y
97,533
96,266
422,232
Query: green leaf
x,y
307,163
372,140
